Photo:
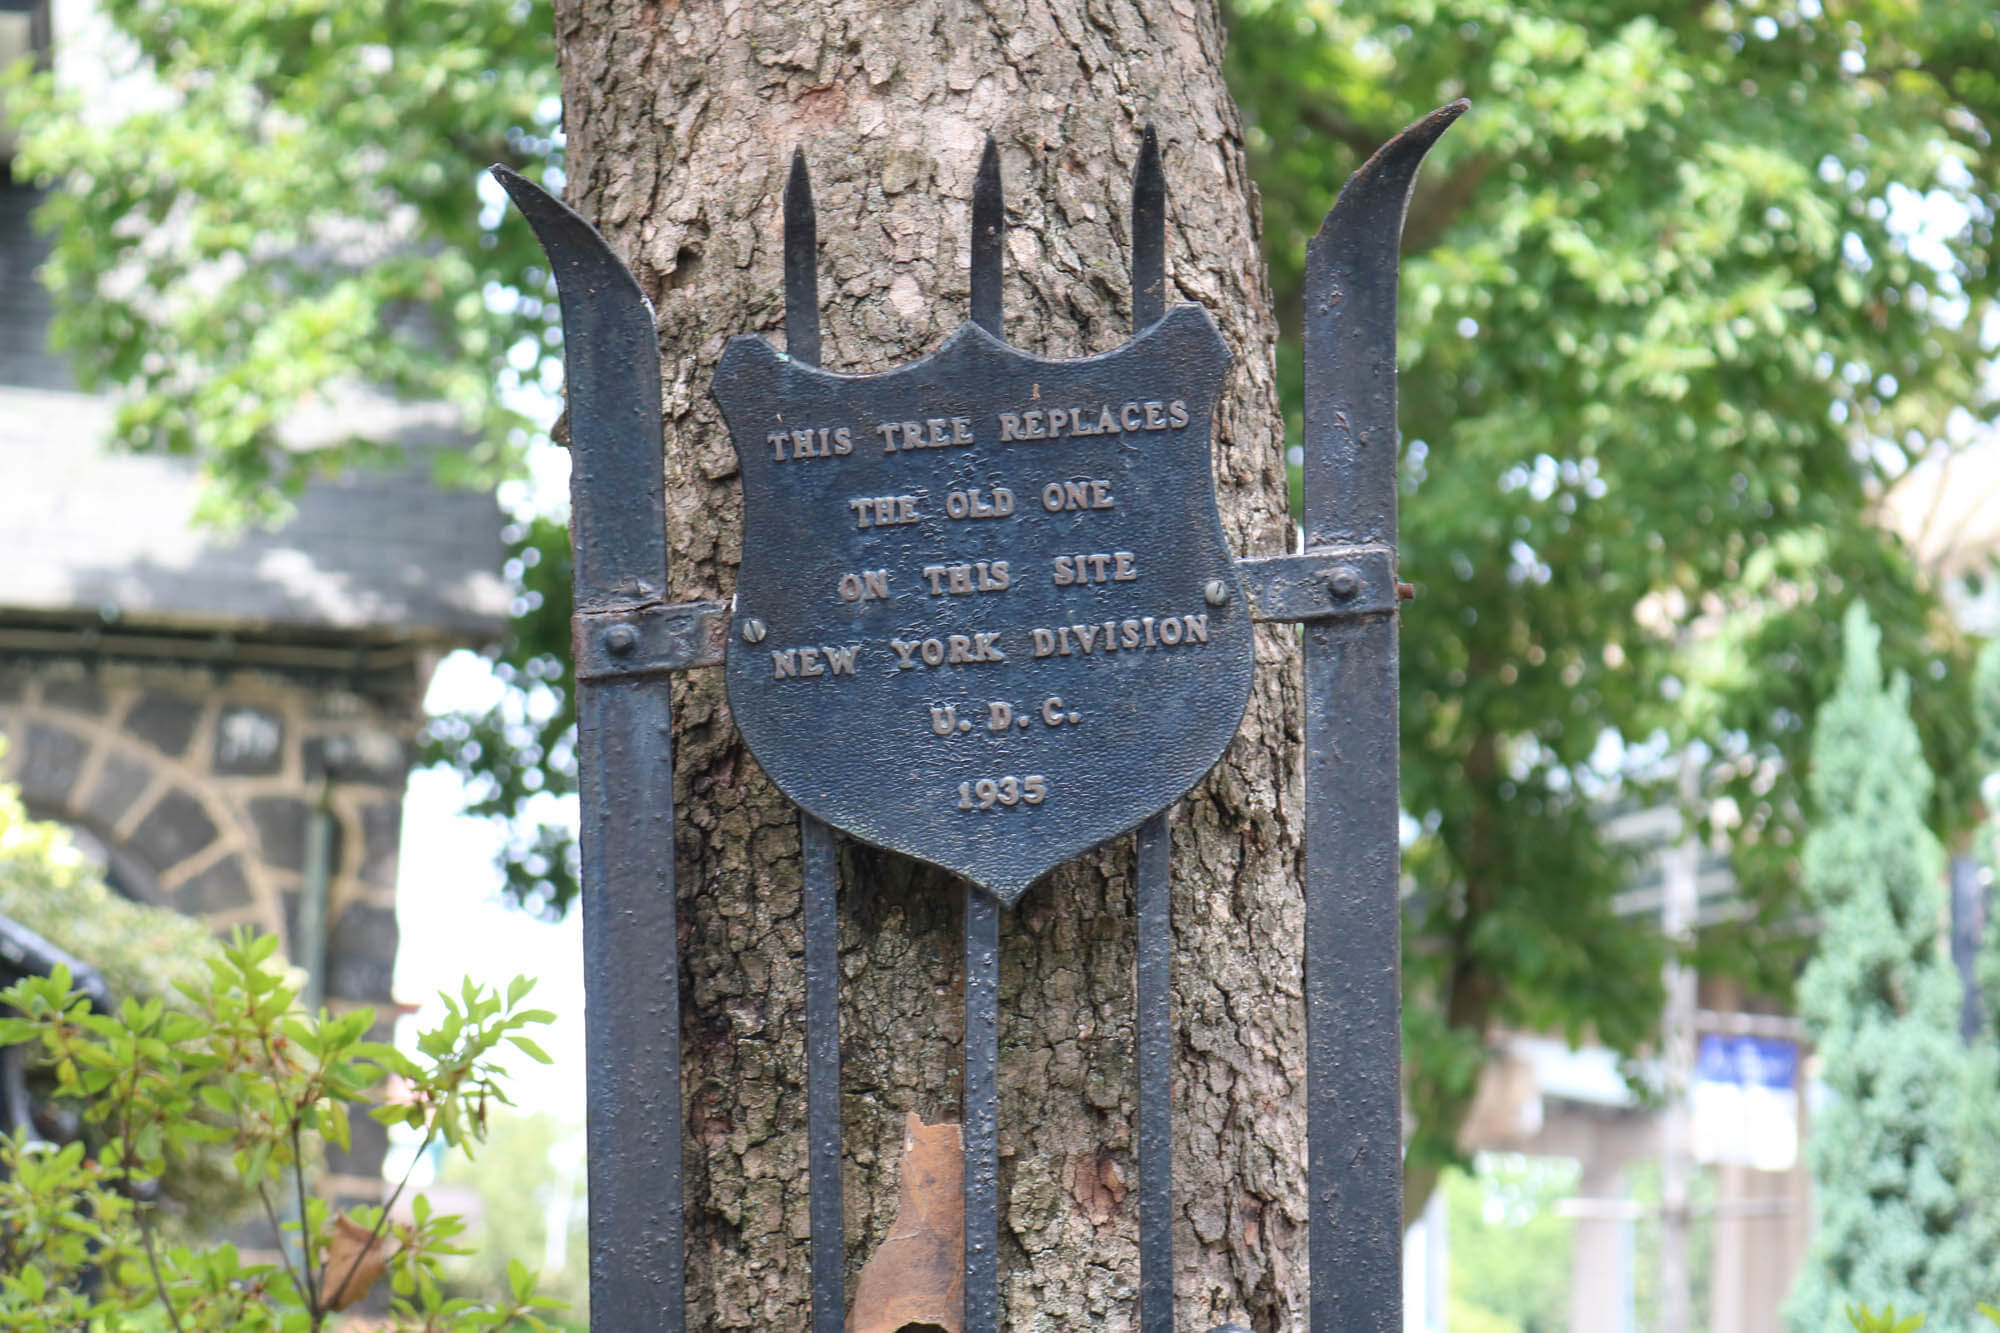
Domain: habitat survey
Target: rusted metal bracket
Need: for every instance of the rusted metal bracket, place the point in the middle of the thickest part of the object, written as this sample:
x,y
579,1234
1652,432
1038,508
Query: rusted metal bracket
x,y
633,642
1332,583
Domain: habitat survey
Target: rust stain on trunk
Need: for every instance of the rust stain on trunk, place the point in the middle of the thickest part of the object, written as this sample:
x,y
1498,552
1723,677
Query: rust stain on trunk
x,y
917,1274
1097,1181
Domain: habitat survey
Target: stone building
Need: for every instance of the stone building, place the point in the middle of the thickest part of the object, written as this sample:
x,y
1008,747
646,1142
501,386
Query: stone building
x,y
226,722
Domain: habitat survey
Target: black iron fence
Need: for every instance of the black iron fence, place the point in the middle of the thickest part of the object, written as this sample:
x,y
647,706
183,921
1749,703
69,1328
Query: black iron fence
x,y
1014,621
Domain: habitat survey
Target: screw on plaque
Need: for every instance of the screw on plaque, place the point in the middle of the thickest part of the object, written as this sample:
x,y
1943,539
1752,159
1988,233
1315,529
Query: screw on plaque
x,y
1216,593
753,631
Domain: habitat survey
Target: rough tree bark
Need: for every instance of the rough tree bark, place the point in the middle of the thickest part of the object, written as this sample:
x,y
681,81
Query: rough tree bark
x,y
681,118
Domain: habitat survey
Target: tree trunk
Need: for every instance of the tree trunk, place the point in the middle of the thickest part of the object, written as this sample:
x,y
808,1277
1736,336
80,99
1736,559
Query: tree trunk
x,y
681,119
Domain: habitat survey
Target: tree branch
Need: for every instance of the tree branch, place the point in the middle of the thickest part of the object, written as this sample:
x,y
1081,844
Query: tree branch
x,y
299,1179
1436,206
278,1230
381,1222
1336,124
127,1150
153,1265
305,1222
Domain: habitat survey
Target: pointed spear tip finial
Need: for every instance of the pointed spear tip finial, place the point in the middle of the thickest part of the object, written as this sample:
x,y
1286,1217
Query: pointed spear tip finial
x,y
1149,233
989,220
801,249
986,197
798,185
1146,173
1148,166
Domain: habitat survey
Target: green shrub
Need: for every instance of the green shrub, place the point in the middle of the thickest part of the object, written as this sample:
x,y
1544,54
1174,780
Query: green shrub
x,y
87,1236
1865,1320
145,952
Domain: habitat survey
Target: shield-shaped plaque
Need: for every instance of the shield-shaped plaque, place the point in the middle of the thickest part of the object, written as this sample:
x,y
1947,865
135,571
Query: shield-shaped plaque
x,y
986,616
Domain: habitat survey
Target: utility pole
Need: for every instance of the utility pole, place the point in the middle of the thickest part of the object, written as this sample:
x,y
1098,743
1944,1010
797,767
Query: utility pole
x,y
1680,901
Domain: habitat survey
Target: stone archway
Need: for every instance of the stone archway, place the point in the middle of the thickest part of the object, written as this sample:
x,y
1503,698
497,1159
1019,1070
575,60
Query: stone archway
x,y
198,786
160,835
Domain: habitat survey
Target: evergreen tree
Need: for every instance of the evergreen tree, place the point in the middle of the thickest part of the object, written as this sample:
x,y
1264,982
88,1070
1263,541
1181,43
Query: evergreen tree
x,y
1893,1153
1986,974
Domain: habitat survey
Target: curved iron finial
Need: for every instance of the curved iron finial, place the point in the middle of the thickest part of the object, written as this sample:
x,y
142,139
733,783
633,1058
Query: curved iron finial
x,y
1353,941
611,362
1350,342
611,374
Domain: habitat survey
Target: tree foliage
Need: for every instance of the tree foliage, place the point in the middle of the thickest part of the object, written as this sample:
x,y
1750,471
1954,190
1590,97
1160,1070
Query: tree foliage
x,y
1510,1252
1865,1320
1684,292
528,1175
1903,1144
273,204
270,203
1689,287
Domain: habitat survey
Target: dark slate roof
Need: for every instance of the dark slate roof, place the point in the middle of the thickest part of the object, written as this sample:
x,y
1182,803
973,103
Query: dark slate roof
x,y
84,530
87,530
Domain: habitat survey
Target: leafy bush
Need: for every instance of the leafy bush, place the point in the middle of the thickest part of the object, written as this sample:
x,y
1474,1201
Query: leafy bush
x,y
86,1234
1865,1320
48,886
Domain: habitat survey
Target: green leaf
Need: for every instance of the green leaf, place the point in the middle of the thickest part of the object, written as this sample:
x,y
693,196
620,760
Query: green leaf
x,y
534,1052
520,1281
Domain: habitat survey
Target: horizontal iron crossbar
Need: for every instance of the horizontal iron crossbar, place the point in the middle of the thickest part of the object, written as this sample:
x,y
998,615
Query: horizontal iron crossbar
x,y
1334,584
1331,583
632,642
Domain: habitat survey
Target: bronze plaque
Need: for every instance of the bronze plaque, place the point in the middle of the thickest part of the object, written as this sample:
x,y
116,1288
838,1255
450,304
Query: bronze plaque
x,y
986,616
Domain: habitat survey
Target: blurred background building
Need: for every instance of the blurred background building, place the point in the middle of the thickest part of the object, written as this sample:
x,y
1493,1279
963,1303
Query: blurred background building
x,y
224,720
